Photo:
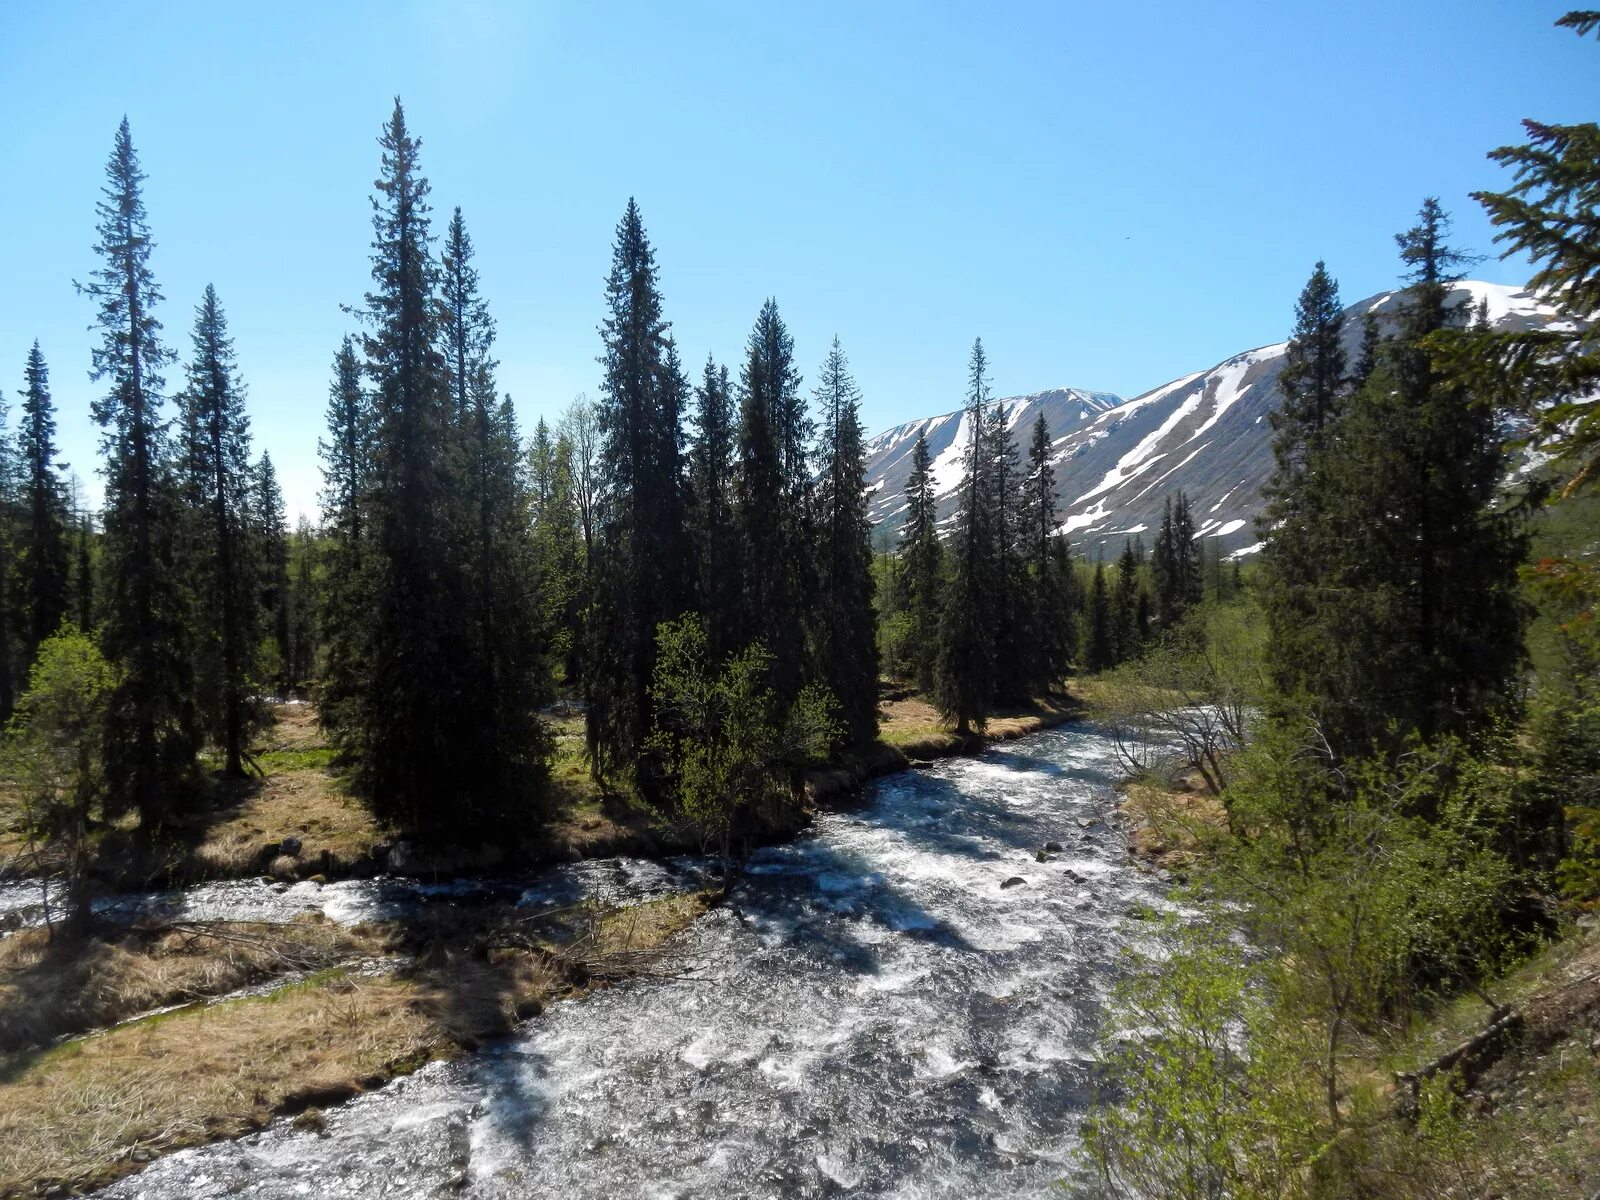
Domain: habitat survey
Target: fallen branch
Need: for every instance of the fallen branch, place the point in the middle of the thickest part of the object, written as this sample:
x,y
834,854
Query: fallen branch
x,y
1471,1058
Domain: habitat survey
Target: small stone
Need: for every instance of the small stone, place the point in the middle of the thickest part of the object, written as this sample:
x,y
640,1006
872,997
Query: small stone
x,y
310,1121
1053,847
1040,856
1014,881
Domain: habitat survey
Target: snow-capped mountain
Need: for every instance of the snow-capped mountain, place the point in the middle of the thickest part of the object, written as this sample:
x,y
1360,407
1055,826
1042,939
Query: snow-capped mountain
x,y
1116,460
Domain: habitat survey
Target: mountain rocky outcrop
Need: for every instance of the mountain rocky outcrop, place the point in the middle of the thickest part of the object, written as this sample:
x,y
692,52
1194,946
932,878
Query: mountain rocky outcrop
x,y
1116,460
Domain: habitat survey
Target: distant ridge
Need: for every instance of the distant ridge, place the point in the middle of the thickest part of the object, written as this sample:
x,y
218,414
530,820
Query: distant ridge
x,y
1206,433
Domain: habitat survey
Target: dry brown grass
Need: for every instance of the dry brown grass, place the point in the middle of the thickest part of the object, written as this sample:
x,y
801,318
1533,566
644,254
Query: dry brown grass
x,y
912,725
51,989
92,1109
301,796
1172,825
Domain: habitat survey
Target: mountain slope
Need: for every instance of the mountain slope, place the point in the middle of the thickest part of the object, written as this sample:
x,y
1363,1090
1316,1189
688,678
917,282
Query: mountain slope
x,y
1116,460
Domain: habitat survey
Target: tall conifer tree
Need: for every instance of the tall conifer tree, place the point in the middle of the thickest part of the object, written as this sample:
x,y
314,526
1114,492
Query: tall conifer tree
x,y
638,575
346,463
269,528
43,560
964,680
222,570
1417,622
507,669
843,617
711,468
921,564
411,720
772,492
150,728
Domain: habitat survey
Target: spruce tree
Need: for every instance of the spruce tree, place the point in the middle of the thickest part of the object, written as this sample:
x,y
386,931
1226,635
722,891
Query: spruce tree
x,y
1414,622
269,529
557,546
844,621
1312,382
222,571
346,463
1100,652
304,605
42,558
1175,563
150,726
1052,619
409,721
1125,605
507,606
772,492
964,676
8,687
922,564
1006,584
638,579
711,468
1294,524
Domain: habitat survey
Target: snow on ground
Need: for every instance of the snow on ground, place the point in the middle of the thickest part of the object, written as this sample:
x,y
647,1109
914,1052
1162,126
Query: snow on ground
x,y
949,467
1155,483
1138,459
1230,382
1225,496
1231,527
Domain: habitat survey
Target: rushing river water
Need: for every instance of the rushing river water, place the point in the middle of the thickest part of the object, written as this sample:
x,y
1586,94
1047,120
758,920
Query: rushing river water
x,y
873,1014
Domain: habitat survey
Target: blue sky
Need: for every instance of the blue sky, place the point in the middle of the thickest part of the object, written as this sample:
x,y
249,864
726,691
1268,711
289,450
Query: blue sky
x,y
1112,195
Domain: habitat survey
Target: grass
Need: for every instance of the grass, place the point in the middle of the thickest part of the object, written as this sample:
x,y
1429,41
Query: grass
x,y
48,990
89,1110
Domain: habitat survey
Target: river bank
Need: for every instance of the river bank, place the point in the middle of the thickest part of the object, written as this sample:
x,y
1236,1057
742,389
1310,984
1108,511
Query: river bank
x,y
166,1048
903,1000
95,1079
299,821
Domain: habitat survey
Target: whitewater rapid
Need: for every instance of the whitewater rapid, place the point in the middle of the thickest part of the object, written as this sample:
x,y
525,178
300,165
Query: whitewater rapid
x,y
872,1014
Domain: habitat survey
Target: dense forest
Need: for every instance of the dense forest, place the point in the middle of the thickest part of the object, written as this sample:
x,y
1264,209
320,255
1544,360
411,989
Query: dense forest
x,y
690,562
1378,743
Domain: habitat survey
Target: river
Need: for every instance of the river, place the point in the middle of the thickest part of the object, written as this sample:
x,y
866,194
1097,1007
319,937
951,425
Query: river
x,y
872,1014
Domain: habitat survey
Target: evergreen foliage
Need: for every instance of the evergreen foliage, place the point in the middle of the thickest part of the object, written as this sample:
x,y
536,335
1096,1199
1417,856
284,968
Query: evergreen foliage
x,y
772,488
711,482
1100,649
637,576
1015,643
346,463
41,547
151,728
223,573
964,672
1175,563
843,614
1050,598
444,732
921,569
269,527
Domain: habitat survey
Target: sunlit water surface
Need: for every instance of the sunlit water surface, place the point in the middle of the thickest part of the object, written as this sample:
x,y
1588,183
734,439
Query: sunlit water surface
x,y
871,1015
